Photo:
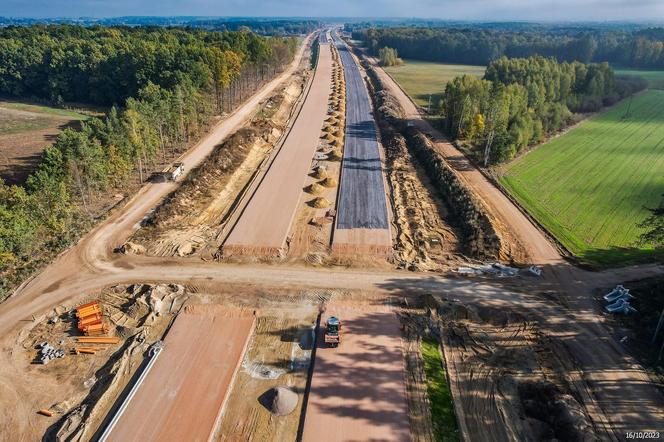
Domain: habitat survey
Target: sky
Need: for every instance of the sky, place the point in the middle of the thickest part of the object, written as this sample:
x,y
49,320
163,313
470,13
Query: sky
x,y
494,10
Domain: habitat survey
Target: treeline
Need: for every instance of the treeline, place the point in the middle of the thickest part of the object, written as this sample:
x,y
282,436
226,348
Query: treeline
x,y
105,66
264,26
520,101
389,57
479,45
60,198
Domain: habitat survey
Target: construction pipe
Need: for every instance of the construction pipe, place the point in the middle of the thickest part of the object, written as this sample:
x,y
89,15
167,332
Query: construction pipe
x,y
153,353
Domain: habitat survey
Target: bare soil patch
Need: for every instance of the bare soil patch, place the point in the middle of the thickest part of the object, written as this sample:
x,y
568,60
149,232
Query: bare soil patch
x,y
278,356
508,380
23,137
80,389
424,240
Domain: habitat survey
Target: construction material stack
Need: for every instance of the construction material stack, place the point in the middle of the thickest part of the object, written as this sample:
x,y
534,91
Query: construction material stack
x,y
90,319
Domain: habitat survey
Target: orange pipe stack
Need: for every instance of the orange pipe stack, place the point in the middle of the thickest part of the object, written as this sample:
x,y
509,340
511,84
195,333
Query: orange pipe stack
x,y
97,340
90,319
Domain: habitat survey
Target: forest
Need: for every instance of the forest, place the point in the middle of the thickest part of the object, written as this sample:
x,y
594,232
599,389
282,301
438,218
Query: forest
x,y
521,100
105,66
164,85
479,45
258,25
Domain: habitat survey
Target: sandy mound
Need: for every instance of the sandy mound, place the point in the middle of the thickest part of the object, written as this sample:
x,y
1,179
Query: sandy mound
x,y
338,144
328,137
320,203
314,189
320,173
328,182
130,248
335,155
279,400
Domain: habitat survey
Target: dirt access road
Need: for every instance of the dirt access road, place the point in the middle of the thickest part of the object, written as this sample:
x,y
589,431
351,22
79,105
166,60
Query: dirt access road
x,y
357,389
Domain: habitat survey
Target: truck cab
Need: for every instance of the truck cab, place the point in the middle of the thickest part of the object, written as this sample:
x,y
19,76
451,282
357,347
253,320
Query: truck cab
x,y
332,332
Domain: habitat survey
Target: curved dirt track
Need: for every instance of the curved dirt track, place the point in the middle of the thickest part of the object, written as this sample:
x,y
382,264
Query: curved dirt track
x,y
615,389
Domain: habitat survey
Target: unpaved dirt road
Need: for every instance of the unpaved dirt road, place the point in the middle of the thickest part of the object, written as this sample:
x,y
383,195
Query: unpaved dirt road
x,y
357,390
183,394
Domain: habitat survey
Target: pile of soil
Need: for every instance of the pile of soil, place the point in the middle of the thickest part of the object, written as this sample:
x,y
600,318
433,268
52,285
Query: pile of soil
x,y
280,401
335,155
320,172
329,182
315,189
320,203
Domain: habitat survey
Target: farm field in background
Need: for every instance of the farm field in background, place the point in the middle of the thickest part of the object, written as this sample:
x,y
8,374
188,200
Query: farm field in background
x,y
590,187
25,131
421,78
655,78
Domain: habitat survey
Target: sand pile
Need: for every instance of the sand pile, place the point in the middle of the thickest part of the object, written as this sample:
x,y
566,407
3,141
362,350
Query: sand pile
x,y
335,155
328,137
320,203
320,172
314,189
130,248
338,144
328,182
279,400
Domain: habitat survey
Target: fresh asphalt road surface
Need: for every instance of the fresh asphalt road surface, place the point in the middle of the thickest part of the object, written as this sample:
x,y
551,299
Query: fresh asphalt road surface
x,y
362,193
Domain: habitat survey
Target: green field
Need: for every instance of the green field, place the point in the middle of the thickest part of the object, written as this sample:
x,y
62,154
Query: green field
x,y
16,118
423,78
655,78
441,404
589,187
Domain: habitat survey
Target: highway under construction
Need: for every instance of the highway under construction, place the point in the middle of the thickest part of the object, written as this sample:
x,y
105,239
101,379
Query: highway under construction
x,y
230,345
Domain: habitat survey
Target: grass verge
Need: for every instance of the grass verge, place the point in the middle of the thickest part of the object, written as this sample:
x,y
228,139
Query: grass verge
x,y
440,398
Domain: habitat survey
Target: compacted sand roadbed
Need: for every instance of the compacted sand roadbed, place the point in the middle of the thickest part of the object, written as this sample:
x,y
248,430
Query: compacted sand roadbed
x,y
357,390
183,395
266,221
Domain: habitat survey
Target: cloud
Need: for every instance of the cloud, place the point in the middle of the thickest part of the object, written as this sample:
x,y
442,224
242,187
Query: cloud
x,y
450,9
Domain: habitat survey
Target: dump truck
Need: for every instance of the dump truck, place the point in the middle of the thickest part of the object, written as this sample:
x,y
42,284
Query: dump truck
x,y
332,332
173,172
